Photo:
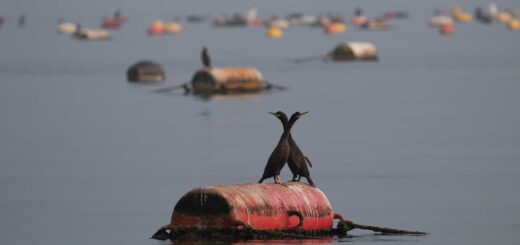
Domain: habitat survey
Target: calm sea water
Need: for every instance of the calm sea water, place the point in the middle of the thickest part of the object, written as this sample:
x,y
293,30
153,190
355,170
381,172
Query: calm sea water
x,y
427,138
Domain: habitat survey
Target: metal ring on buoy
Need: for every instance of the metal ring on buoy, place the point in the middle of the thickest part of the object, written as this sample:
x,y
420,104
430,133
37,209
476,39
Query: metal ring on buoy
x,y
297,213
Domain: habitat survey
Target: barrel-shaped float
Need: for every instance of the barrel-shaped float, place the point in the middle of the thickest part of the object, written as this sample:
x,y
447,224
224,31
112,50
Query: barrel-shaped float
x,y
354,51
258,206
227,80
145,71
91,34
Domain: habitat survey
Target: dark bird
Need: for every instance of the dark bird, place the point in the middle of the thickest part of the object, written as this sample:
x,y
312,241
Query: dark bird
x,y
280,154
206,60
297,161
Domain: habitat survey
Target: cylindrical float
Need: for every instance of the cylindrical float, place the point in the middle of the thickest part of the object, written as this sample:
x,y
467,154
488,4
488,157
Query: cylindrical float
x,y
227,80
293,205
354,51
146,71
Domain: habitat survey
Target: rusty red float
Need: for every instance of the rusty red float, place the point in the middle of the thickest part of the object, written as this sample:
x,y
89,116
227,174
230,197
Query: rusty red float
x,y
258,206
249,211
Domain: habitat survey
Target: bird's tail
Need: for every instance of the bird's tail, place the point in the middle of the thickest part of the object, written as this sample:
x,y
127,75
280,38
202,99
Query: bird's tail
x,y
308,161
310,181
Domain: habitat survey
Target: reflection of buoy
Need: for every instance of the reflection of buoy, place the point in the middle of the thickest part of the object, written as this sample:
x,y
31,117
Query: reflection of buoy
x,y
146,71
354,51
172,28
227,80
157,28
274,32
513,24
446,29
335,28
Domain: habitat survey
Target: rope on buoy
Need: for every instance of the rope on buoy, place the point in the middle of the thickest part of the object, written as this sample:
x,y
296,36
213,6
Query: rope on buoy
x,y
270,85
310,58
346,225
184,86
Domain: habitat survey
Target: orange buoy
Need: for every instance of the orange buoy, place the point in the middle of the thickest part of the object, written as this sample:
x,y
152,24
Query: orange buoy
x,y
335,28
274,32
446,29
157,28
513,24
259,206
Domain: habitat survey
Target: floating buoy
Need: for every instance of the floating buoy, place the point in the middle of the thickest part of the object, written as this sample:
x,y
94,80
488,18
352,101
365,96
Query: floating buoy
x,y
91,34
227,80
146,71
460,15
513,24
157,28
274,32
440,20
335,28
67,27
504,17
172,28
446,29
354,51
258,211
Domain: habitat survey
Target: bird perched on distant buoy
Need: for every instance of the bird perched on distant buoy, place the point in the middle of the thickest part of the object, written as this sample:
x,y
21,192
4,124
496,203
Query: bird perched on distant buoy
x,y
281,152
206,60
297,162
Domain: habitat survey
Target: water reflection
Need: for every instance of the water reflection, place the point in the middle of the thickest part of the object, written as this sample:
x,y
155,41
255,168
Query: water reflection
x,y
204,242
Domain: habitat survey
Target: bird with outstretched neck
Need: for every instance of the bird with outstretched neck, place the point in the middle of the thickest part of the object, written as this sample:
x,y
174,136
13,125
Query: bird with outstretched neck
x,y
297,161
206,60
281,152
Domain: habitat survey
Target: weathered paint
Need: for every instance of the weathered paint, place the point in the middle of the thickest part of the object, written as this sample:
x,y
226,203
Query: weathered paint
x,y
258,206
354,51
227,80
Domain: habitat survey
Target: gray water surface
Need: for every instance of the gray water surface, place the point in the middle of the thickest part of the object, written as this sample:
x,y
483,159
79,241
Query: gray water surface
x,y
428,138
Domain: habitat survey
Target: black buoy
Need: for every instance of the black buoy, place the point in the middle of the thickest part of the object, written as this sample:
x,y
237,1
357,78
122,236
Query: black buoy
x,y
146,71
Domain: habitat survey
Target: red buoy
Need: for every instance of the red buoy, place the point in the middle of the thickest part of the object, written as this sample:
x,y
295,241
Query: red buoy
x,y
257,206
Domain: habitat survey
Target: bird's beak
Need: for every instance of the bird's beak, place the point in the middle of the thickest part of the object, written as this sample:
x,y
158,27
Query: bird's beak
x,y
272,113
305,112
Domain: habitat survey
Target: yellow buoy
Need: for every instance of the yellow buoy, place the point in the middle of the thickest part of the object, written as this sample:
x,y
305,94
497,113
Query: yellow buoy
x,y
274,32
172,28
460,15
513,24
335,28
